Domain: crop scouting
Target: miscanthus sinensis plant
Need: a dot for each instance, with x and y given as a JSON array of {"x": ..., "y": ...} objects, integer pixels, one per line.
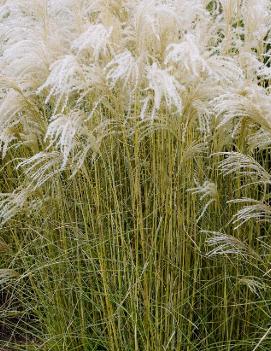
[{"x": 135, "y": 144}]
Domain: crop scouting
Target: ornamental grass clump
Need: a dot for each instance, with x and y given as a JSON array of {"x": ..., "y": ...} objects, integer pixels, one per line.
[{"x": 135, "y": 180}]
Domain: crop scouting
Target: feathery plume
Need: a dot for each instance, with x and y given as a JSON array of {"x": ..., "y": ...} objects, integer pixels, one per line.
[
  {"x": 224, "y": 244},
  {"x": 62, "y": 131},
  {"x": 206, "y": 190},
  {"x": 258, "y": 211},
  {"x": 95, "y": 38},
  {"x": 123, "y": 67},
  {"x": 164, "y": 86},
  {"x": 66, "y": 76},
  {"x": 41, "y": 167},
  {"x": 187, "y": 55},
  {"x": 236, "y": 162},
  {"x": 12, "y": 203}
]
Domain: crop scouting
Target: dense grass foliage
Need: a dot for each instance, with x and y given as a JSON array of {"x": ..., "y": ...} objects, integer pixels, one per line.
[{"x": 135, "y": 175}]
